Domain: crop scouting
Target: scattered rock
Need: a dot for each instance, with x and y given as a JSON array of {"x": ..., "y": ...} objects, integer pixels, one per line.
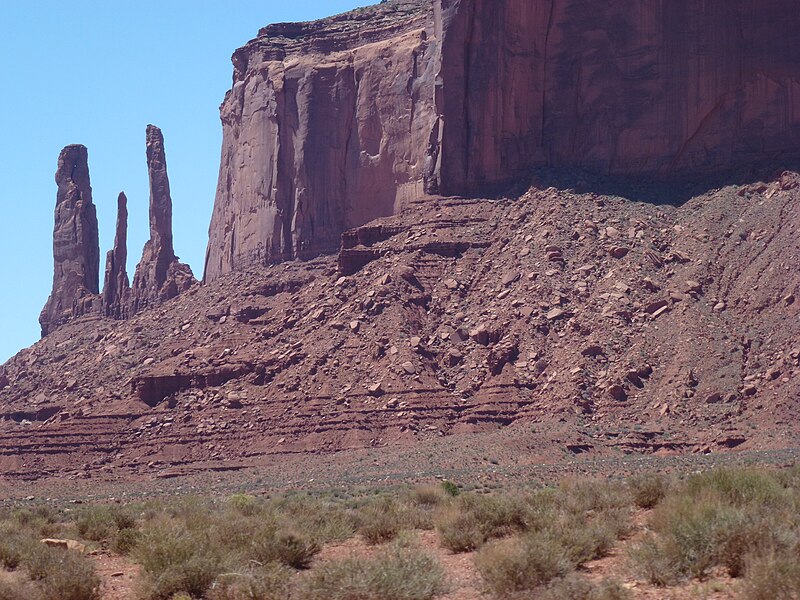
[
  {"x": 65, "y": 544},
  {"x": 619, "y": 251},
  {"x": 618, "y": 393},
  {"x": 454, "y": 357},
  {"x": 376, "y": 389}
]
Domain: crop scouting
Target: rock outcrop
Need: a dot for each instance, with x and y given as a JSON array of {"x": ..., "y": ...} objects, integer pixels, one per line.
[
  {"x": 333, "y": 123},
  {"x": 159, "y": 275},
  {"x": 635, "y": 87},
  {"x": 116, "y": 289},
  {"x": 325, "y": 128},
  {"x": 76, "y": 250}
]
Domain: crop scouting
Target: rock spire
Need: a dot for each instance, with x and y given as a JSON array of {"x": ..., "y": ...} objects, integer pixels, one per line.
[
  {"x": 116, "y": 290},
  {"x": 159, "y": 275},
  {"x": 76, "y": 247}
]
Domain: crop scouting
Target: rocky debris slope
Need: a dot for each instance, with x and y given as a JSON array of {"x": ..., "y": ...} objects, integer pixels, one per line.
[
  {"x": 577, "y": 322},
  {"x": 331, "y": 124},
  {"x": 159, "y": 276},
  {"x": 76, "y": 247}
]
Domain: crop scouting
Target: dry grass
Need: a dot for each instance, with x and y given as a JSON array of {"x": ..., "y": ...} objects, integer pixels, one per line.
[
  {"x": 529, "y": 545},
  {"x": 744, "y": 520},
  {"x": 395, "y": 573}
]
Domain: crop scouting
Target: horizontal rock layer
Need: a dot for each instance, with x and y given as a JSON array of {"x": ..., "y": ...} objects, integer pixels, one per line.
[
  {"x": 524, "y": 331},
  {"x": 333, "y": 123}
]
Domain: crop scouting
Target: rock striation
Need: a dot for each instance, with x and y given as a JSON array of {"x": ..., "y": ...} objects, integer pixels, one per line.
[
  {"x": 159, "y": 275},
  {"x": 634, "y": 87},
  {"x": 76, "y": 250},
  {"x": 116, "y": 290},
  {"x": 333, "y": 123}
]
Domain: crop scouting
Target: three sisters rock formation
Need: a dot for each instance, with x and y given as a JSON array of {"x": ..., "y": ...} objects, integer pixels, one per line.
[
  {"x": 76, "y": 249},
  {"x": 331, "y": 124}
]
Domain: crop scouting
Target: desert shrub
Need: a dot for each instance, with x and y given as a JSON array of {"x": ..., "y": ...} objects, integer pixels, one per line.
[
  {"x": 16, "y": 591},
  {"x": 772, "y": 576},
  {"x": 286, "y": 547},
  {"x": 738, "y": 486},
  {"x": 61, "y": 574},
  {"x": 648, "y": 489},
  {"x": 321, "y": 520},
  {"x": 583, "y": 495},
  {"x": 244, "y": 504},
  {"x": 269, "y": 583},
  {"x": 429, "y": 495},
  {"x": 522, "y": 563},
  {"x": 13, "y": 545},
  {"x": 653, "y": 560},
  {"x": 460, "y": 531},
  {"x": 102, "y": 523},
  {"x": 72, "y": 577},
  {"x": 175, "y": 560},
  {"x": 395, "y": 574},
  {"x": 450, "y": 488},
  {"x": 575, "y": 587},
  {"x": 382, "y": 520},
  {"x": 692, "y": 532},
  {"x": 584, "y": 541},
  {"x": 40, "y": 521},
  {"x": 717, "y": 519},
  {"x": 471, "y": 520},
  {"x": 125, "y": 541}
]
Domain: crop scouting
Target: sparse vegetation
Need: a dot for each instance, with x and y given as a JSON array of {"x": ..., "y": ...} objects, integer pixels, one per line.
[
  {"x": 743, "y": 522},
  {"x": 396, "y": 573},
  {"x": 746, "y": 521}
]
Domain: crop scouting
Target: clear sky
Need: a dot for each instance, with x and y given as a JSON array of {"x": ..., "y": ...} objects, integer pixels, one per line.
[{"x": 96, "y": 72}]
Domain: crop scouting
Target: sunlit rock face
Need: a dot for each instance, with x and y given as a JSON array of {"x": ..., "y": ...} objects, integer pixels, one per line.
[{"x": 333, "y": 123}]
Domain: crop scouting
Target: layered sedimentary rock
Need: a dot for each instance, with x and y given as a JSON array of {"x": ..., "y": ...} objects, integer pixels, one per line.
[
  {"x": 116, "y": 289},
  {"x": 76, "y": 251},
  {"x": 159, "y": 275},
  {"x": 330, "y": 124}
]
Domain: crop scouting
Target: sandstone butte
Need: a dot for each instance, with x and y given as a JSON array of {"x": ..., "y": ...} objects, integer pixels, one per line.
[
  {"x": 620, "y": 304},
  {"x": 333, "y": 123}
]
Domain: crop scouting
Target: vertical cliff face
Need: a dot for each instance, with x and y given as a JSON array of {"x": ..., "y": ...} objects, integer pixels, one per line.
[
  {"x": 325, "y": 128},
  {"x": 76, "y": 250},
  {"x": 159, "y": 275},
  {"x": 116, "y": 290},
  {"x": 627, "y": 87},
  {"x": 333, "y": 123}
]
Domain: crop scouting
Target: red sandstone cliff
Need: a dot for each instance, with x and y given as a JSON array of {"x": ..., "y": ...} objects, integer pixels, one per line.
[
  {"x": 333, "y": 123},
  {"x": 325, "y": 128}
]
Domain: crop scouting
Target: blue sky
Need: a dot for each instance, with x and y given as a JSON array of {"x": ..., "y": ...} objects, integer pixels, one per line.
[{"x": 96, "y": 73}]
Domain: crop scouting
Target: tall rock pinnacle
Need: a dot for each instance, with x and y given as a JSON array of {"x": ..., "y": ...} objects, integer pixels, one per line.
[
  {"x": 76, "y": 248},
  {"x": 159, "y": 276},
  {"x": 116, "y": 289}
]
